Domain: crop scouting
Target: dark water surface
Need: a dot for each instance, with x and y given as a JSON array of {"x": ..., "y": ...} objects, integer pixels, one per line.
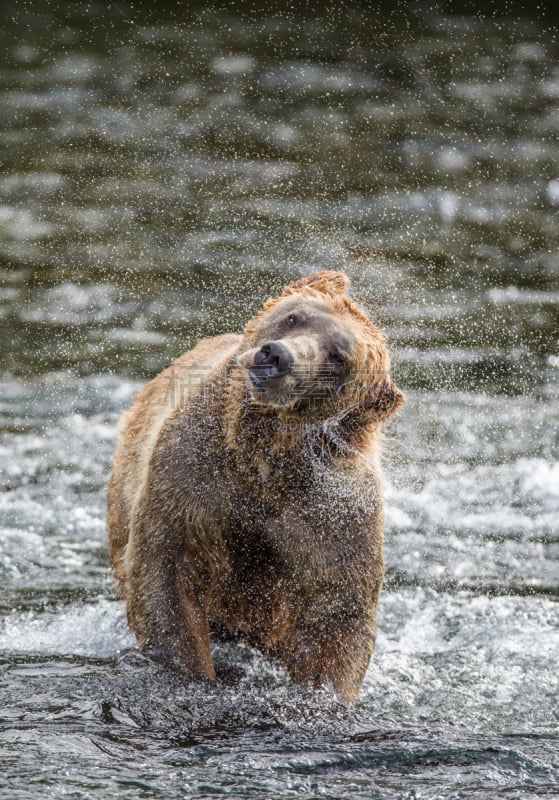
[{"x": 164, "y": 170}]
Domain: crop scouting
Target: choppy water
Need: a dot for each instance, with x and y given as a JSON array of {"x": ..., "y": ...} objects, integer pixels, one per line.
[{"x": 163, "y": 171}]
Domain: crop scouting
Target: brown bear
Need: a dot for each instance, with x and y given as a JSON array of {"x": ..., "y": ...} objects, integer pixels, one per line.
[{"x": 245, "y": 497}]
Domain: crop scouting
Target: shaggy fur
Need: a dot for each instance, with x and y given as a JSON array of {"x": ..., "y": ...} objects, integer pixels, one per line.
[{"x": 245, "y": 497}]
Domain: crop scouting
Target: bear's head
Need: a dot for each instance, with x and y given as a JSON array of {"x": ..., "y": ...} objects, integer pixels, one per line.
[{"x": 313, "y": 351}]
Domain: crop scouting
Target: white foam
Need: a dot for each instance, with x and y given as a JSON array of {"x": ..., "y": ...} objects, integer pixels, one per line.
[
  {"x": 233, "y": 65},
  {"x": 94, "y": 630},
  {"x": 512, "y": 294},
  {"x": 539, "y": 478},
  {"x": 552, "y": 192},
  {"x": 20, "y": 224},
  {"x": 471, "y": 660}
]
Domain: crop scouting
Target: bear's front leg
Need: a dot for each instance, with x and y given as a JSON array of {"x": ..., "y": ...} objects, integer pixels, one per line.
[
  {"x": 165, "y": 594},
  {"x": 333, "y": 650}
]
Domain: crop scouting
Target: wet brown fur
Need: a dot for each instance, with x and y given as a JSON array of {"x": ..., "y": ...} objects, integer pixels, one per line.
[{"x": 255, "y": 516}]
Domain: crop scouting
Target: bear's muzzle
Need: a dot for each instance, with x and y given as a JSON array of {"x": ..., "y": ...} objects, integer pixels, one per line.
[{"x": 271, "y": 362}]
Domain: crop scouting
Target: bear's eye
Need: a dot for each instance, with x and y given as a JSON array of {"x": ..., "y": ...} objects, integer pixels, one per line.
[
  {"x": 337, "y": 361},
  {"x": 292, "y": 320}
]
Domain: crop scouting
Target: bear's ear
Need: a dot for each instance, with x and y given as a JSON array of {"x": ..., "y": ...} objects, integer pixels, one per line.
[
  {"x": 384, "y": 399},
  {"x": 327, "y": 282}
]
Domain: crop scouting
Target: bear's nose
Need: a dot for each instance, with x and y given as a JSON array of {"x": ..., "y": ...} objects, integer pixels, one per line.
[{"x": 273, "y": 360}]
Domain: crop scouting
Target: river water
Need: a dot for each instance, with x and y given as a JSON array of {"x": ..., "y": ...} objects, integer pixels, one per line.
[{"x": 167, "y": 167}]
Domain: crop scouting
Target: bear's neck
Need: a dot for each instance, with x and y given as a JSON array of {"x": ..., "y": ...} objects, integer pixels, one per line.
[{"x": 265, "y": 438}]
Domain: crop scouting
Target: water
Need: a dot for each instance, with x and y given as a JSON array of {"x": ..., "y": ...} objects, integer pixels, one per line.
[{"x": 166, "y": 169}]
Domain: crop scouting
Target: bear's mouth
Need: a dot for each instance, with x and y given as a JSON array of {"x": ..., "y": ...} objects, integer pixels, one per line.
[{"x": 262, "y": 375}]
